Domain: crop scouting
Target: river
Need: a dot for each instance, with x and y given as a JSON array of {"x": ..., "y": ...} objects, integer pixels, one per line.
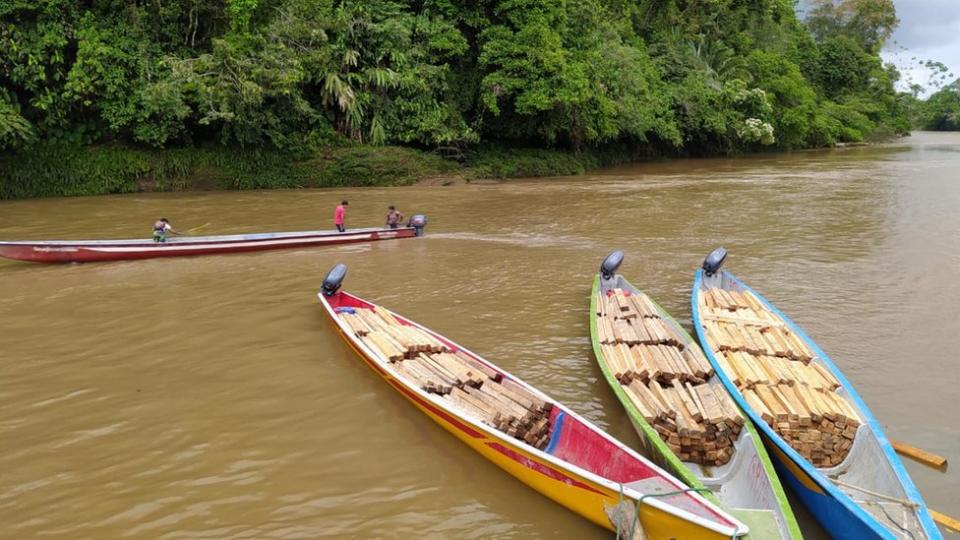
[{"x": 209, "y": 398}]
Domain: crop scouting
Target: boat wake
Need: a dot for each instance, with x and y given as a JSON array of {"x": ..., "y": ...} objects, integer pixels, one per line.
[{"x": 520, "y": 239}]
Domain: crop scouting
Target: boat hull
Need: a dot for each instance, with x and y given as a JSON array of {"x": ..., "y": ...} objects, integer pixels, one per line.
[
  {"x": 576, "y": 492},
  {"x": 840, "y": 516},
  {"x": 839, "y": 522},
  {"x": 654, "y": 447},
  {"x": 67, "y": 252}
]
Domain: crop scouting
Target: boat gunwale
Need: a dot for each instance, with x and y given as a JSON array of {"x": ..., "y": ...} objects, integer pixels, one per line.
[
  {"x": 806, "y": 466},
  {"x": 737, "y": 528},
  {"x": 686, "y": 473},
  {"x": 195, "y": 240}
]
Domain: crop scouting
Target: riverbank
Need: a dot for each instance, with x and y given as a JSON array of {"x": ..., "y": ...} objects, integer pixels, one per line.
[{"x": 59, "y": 171}]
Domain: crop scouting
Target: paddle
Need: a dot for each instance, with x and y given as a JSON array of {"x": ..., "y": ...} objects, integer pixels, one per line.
[
  {"x": 195, "y": 229},
  {"x": 931, "y": 460},
  {"x": 921, "y": 456},
  {"x": 947, "y": 521}
]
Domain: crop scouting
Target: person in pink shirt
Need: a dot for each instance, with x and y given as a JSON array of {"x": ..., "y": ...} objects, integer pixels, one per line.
[{"x": 340, "y": 216}]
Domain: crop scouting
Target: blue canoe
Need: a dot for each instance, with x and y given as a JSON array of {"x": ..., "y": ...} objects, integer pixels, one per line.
[{"x": 867, "y": 495}]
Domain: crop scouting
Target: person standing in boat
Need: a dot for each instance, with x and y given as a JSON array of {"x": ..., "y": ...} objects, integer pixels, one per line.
[
  {"x": 340, "y": 216},
  {"x": 394, "y": 217},
  {"x": 161, "y": 228}
]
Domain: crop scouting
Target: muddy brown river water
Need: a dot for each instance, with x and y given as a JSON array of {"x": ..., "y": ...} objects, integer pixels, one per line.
[{"x": 208, "y": 398}]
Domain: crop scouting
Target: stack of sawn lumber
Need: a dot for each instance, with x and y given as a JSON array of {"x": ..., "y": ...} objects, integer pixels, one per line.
[
  {"x": 777, "y": 374},
  {"x": 467, "y": 383},
  {"x": 666, "y": 380}
]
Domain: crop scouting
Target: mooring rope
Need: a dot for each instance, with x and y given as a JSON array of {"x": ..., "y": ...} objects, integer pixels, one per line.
[
  {"x": 909, "y": 504},
  {"x": 636, "y": 514}
]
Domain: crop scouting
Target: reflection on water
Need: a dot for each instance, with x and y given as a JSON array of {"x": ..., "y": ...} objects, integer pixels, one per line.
[{"x": 206, "y": 397}]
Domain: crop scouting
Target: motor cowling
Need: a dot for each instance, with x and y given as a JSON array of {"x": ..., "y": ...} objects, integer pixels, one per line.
[
  {"x": 333, "y": 280},
  {"x": 610, "y": 264},
  {"x": 714, "y": 261},
  {"x": 418, "y": 222}
]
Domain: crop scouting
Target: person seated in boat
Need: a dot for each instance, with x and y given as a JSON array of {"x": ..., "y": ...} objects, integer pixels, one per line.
[
  {"x": 394, "y": 217},
  {"x": 340, "y": 216},
  {"x": 161, "y": 228}
]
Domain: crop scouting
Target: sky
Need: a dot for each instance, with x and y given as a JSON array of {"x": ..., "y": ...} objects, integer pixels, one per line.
[{"x": 929, "y": 30}]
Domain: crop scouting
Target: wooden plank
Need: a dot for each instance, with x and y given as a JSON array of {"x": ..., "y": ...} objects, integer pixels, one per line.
[
  {"x": 639, "y": 402},
  {"x": 479, "y": 366},
  {"x": 513, "y": 388},
  {"x": 651, "y": 309},
  {"x": 604, "y": 332},
  {"x": 371, "y": 343},
  {"x": 758, "y": 406},
  {"x": 729, "y": 406},
  {"x": 356, "y": 324},
  {"x": 701, "y": 412},
  {"x": 685, "y": 424},
  {"x": 683, "y": 369},
  {"x": 623, "y": 350},
  {"x": 624, "y": 332},
  {"x": 772, "y": 404},
  {"x": 728, "y": 369},
  {"x": 623, "y": 364},
  {"x": 741, "y": 362},
  {"x": 712, "y": 412},
  {"x": 640, "y": 367},
  {"x": 642, "y": 391},
  {"x": 804, "y": 416},
  {"x": 640, "y": 329},
  {"x": 389, "y": 349},
  {"x": 490, "y": 395},
  {"x": 657, "y": 391},
  {"x": 693, "y": 353},
  {"x": 827, "y": 376},
  {"x": 804, "y": 394},
  {"x": 667, "y": 370},
  {"x": 445, "y": 376},
  {"x": 692, "y": 409},
  {"x": 467, "y": 403},
  {"x": 727, "y": 301},
  {"x": 793, "y": 415},
  {"x": 464, "y": 366},
  {"x": 432, "y": 381},
  {"x": 525, "y": 400},
  {"x": 463, "y": 374},
  {"x": 738, "y": 299}
]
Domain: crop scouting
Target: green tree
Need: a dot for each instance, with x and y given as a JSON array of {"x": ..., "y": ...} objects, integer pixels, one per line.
[
  {"x": 869, "y": 22},
  {"x": 941, "y": 111}
]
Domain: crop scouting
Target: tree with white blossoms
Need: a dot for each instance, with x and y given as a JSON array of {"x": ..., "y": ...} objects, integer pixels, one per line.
[{"x": 755, "y": 130}]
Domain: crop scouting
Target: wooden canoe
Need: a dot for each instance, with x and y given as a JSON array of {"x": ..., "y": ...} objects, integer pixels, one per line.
[
  {"x": 67, "y": 251},
  {"x": 581, "y": 467},
  {"x": 869, "y": 494},
  {"x": 747, "y": 486}
]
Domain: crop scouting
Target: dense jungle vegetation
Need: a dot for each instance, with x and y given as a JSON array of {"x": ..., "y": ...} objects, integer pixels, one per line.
[
  {"x": 939, "y": 112},
  {"x": 120, "y": 95}
]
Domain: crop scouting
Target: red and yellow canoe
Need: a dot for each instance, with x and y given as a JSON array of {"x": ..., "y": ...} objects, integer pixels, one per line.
[{"x": 580, "y": 466}]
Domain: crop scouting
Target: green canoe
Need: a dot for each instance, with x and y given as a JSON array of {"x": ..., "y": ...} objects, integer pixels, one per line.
[{"x": 747, "y": 485}]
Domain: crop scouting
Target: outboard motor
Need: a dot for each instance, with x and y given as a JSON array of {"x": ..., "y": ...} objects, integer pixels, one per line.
[
  {"x": 331, "y": 283},
  {"x": 609, "y": 266},
  {"x": 714, "y": 261},
  {"x": 418, "y": 222}
]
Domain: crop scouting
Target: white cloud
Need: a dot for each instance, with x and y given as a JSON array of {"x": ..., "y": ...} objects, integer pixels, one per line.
[{"x": 929, "y": 30}]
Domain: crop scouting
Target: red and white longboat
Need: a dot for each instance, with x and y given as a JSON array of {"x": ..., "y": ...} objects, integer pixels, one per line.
[{"x": 66, "y": 251}]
